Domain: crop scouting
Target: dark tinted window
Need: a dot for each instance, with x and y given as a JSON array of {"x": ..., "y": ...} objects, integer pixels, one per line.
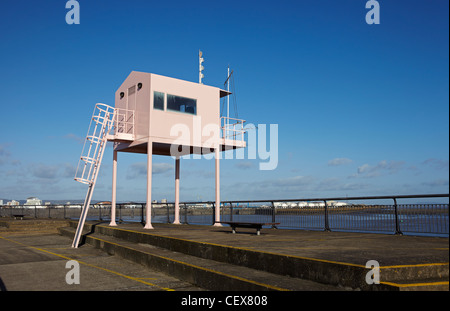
[
  {"x": 158, "y": 100},
  {"x": 181, "y": 104}
]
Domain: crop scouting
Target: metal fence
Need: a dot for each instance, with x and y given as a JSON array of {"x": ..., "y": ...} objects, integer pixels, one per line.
[{"x": 329, "y": 214}]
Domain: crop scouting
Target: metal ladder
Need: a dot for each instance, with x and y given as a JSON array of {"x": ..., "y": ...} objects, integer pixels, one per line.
[{"x": 102, "y": 122}]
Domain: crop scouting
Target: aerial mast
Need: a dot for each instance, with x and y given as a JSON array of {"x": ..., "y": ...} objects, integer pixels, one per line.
[
  {"x": 228, "y": 97},
  {"x": 227, "y": 82},
  {"x": 200, "y": 67}
]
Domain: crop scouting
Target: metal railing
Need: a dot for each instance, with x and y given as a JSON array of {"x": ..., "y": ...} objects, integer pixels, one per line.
[
  {"x": 124, "y": 121},
  {"x": 383, "y": 215},
  {"x": 232, "y": 129}
]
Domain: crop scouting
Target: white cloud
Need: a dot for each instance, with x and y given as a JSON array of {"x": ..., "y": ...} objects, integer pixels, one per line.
[
  {"x": 74, "y": 137},
  {"x": 69, "y": 170},
  {"x": 335, "y": 184},
  {"x": 339, "y": 161},
  {"x": 295, "y": 181},
  {"x": 438, "y": 164},
  {"x": 292, "y": 187},
  {"x": 244, "y": 165},
  {"x": 139, "y": 169},
  {"x": 160, "y": 168},
  {"x": 45, "y": 171},
  {"x": 382, "y": 167},
  {"x": 363, "y": 168},
  {"x": 4, "y": 154},
  {"x": 436, "y": 183}
]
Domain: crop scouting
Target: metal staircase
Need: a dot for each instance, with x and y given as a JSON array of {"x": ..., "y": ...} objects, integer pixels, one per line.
[{"x": 104, "y": 119}]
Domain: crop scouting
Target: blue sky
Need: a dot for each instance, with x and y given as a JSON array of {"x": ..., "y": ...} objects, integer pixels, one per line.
[{"x": 361, "y": 109}]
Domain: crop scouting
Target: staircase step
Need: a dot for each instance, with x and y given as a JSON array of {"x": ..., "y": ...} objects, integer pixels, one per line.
[
  {"x": 420, "y": 285},
  {"x": 205, "y": 273},
  {"x": 31, "y": 225},
  {"x": 415, "y": 273},
  {"x": 302, "y": 268},
  {"x": 336, "y": 274}
]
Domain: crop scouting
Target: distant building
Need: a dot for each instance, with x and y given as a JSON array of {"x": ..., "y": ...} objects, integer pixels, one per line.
[
  {"x": 13, "y": 203},
  {"x": 1, "y": 202},
  {"x": 336, "y": 204},
  {"x": 102, "y": 204},
  {"x": 33, "y": 201},
  {"x": 131, "y": 205},
  {"x": 308, "y": 204}
]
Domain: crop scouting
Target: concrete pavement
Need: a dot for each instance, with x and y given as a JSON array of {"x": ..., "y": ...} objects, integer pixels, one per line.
[
  {"x": 34, "y": 257},
  {"x": 36, "y": 261}
]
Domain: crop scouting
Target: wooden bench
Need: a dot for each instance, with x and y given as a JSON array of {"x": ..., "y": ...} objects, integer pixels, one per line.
[
  {"x": 18, "y": 216},
  {"x": 255, "y": 225}
]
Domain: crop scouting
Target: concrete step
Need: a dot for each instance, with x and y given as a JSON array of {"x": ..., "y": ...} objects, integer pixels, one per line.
[
  {"x": 205, "y": 273},
  {"x": 321, "y": 271},
  {"x": 421, "y": 285},
  {"x": 324, "y": 272},
  {"x": 415, "y": 273},
  {"x": 30, "y": 225}
]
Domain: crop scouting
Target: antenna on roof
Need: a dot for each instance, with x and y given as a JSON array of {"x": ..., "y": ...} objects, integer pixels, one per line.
[
  {"x": 227, "y": 82},
  {"x": 228, "y": 97},
  {"x": 200, "y": 67}
]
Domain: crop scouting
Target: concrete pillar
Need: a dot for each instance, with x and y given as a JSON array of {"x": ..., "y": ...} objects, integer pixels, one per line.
[
  {"x": 217, "y": 205},
  {"x": 114, "y": 186},
  {"x": 177, "y": 191},
  {"x": 148, "y": 210}
]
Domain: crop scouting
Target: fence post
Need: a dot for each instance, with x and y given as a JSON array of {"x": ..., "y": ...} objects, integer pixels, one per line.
[
  {"x": 397, "y": 223},
  {"x": 231, "y": 211},
  {"x": 327, "y": 225},
  {"x": 185, "y": 214},
  {"x": 213, "y": 213},
  {"x": 168, "y": 213},
  {"x": 273, "y": 216}
]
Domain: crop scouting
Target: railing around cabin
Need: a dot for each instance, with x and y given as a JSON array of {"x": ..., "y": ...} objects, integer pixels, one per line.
[
  {"x": 232, "y": 129},
  {"x": 124, "y": 121}
]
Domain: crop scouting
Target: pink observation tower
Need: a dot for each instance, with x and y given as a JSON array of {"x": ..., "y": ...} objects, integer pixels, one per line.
[{"x": 154, "y": 114}]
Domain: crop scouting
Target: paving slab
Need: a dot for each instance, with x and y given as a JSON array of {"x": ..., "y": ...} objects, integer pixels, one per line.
[{"x": 37, "y": 262}]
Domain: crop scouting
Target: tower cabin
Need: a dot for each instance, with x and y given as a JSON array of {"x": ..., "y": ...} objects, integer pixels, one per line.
[{"x": 165, "y": 116}]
